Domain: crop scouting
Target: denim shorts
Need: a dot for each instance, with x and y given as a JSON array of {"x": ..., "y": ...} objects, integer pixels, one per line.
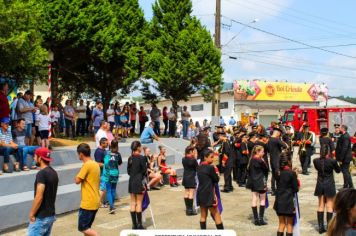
[
  {"x": 86, "y": 219},
  {"x": 28, "y": 130},
  {"x": 42, "y": 226}
]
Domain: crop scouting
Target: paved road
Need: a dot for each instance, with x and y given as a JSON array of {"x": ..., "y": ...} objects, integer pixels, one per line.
[{"x": 168, "y": 208}]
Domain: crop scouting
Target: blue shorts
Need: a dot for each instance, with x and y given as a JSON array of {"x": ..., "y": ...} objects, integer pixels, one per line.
[
  {"x": 41, "y": 226},
  {"x": 86, "y": 219},
  {"x": 28, "y": 129}
]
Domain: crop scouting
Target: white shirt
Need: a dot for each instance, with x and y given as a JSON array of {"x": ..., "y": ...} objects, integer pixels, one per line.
[
  {"x": 43, "y": 122},
  {"x": 82, "y": 112},
  {"x": 36, "y": 117},
  {"x": 99, "y": 135},
  {"x": 111, "y": 115},
  {"x": 55, "y": 116}
]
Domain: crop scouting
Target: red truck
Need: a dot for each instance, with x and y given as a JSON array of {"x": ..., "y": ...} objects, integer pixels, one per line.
[{"x": 318, "y": 118}]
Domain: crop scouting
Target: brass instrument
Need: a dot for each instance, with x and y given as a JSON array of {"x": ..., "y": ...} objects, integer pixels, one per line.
[{"x": 305, "y": 139}]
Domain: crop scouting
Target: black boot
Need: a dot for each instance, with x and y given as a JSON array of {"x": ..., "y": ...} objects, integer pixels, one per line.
[
  {"x": 220, "y": 226},
  {"x": 280, "y": 233},
  {"x": 186, "y": 201},
  {"x": 321, "y": 222},
  {"x": 255, "y": 215},
  {"x": 289, "y": 234},
  {"x": 202, "y": 225},
  {"x": 329, "y": 216},
  {"x": 134, "y": 220},
  {"x": 191, "y": 210},
  {"x": 262, "y": 213},
  {"x": 139, "y": 220}
]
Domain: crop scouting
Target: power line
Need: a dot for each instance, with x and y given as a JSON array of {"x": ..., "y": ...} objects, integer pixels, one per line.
[{"x": 292, "y": 40}]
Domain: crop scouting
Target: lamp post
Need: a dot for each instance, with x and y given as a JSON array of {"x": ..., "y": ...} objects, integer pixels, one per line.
[{"x": 50, "y": 59}]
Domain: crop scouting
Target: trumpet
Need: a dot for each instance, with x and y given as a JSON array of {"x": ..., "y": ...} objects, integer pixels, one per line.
[{"x": 304, "y": 143}]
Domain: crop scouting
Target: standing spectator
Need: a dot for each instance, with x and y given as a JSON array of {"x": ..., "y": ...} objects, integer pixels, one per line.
[
  {"x": 18, "y": 136},
  {"x": 155, "y": 117},
  {"x": 25, "y": 110},
  {"x": 55, "y": 115},
  {"x": 165, "y": 119},
  {"x": 38, "y": 105},
  {"x": 102, "y": 132},
  {"x": 99, "y": 156},
  {"x": 61, "y": 115},
  {"x": 185, "y": 120},
  {"x": 172, "y": 122},
  {"x": 88, "y": 116},
  {"x": 133, "y": 112},
  {"x": 7, "y": 145},
  {"x": 82, "y": 116},
  {"x": 344, "y": 155},
  {"x": 142, "y": 118},
  {"x": 43, "y": 125},
  {"x": 4, "y": 102},
  {"x": 13, "y": 108},
  {"x": 148, "y": 134},
  {"x": 232, "y": 121},
  {"x": 89, "y": 178},
  {"x": 69, "y": 114},
  {"x": 97, "y": 116},
  {"x": 124, "y": 122},
  {"x": 117, "y": 113},
  {"x": 42, "y": 213},
  {"x": 110, "y": 113},
  {"x": 222, "y": 121}
]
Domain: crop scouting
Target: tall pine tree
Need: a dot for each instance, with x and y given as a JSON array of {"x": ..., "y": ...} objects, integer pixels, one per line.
[{"x": 182, "y": 58}]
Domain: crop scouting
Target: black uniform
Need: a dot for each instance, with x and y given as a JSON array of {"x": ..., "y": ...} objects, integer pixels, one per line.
[
  {"x": 305, "y": 150},
  {"x": 235, "y": 147},
  {"x": 203, "y": 143},
  {"x": 136, "y": 169},
  {"x": 190, "y": 165},
  {"x": 344, "y": 155},
  {"x": 229, "y": 163},
  {"x": 287, "y": 186},
  {"x": 207, "y": 179},
  {"x": 257, "y": 171},
  {"x": 275, "y": 146},
  {"x": 325, "y": 184},
  {"x": 243, "y": 161},
  {"x": 288, "y": 139},
  {"x": 265, "y": 156}
]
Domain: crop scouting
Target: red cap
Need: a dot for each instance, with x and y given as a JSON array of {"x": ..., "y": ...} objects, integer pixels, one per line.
[{"x": 44, "y": 153}]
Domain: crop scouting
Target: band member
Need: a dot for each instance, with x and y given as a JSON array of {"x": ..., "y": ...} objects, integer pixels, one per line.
[
  {"x": 325, "y": 185},
  {"x": 287, "y": 186},
  {"x": 227, "y": 162},
  {"x": 257, "y": 182},
  {"x": 136, "y": 169},
  {"x": 203, "y": 142},
  {"x": 306, "y": 149},
  {"x": 336, "y": 134},
  {"x": 251, "y": 141},
  {"x": 243, "y": 161},
  {"x": 235, "y": 146},
  {"x": 263, "y": 141},
  {"x": 190, "y": 165},
  {"x": 208, "y": 177},
  {"x": 162, "y": 164},
  {"x": 275, "y": 146},
  {"x": 219, "y": 130},
  {"x": 344, "y": 155},
  {"x": 289, "y": 138}
]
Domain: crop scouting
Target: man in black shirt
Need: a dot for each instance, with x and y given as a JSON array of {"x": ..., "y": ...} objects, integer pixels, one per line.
[
  {"x": 42, "y": 214},
  {"x": 344, "y": 156}
]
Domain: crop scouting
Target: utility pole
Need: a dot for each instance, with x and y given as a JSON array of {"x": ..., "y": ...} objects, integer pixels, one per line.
[{"x": 216, "y": 100}]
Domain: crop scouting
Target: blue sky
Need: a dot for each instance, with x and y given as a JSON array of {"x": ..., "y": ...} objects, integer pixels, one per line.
[{"x": 316, "y": 23}]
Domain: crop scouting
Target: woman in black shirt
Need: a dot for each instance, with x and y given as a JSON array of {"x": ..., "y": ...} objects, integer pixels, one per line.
[
  {"x": 208, "y": 176},
  {"x": 325, "y": 186},
  {"x": 190, "y": 165},
  {"x": 257, "y": 171},
  {"x": 136, "y": 169}
]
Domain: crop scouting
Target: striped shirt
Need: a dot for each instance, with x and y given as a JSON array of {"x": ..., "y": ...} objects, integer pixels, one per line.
[{"x": 5, "y": 137}]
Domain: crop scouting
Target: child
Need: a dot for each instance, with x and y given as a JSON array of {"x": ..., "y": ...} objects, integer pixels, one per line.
[
  {"x": 208, "y": 176},
  {"x": 190, "y": 165},
  {"x": 257, "y": 169},
  {"x": 55, "y": 115},
  {"x": 99, "y": 156},
  {"x": 112, "y": 161},
  {"x": 43, "y": 120}
]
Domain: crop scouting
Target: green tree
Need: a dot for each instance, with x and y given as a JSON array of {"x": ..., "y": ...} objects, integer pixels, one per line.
[
  {"x": 98, "y": 44},
  {"x": 22, "y": 56},
  {"x": 182, "y": 58}
]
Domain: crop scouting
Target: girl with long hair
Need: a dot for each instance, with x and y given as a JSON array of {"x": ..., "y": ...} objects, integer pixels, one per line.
[
  {"x": 190, "y": 165},
  {"x": 165, "y": 169}
]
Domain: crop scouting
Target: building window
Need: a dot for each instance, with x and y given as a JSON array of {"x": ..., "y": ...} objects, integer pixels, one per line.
[
  {"x": 199, "y": 107},
  {"x": 224, "y": 105}
]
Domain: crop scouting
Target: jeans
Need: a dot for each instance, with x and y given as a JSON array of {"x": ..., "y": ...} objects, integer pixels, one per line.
[
  {"x": 165, "y": 122},
  {"x": 133, "y": 126},
  {"x": 156, "y": 129},
  {"x": 81, "y": 126},
  {"x": 70, "y": 125},
  {"x": 41, "y": 226},
  {"x": 6, "y": 152},
  {"x": 22, "y": 153},
  {"x": 185, "y": 128},
  {"x": 142, "y": 126},
  {"x": 147, "y": 140},
  {"x": 28, "y": 130},
  {"x": 345, "y": 169},
  {"x": 172, "y": 128},
  {"x": 111, "y": 193}
]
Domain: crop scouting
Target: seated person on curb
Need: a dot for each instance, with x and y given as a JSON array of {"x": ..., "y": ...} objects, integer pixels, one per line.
[
  {"x": 165, "y": 169},
  {"x": 18, "y": 136},
  {"x": 154, "y": 177},
  {"x": 7, "y": 145},
  {"x": 99, "y": 156},
  {"x": 148, "y": 135}
]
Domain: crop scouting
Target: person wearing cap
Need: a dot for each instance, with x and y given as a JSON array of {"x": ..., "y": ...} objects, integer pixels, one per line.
[
  {"x": 243, "y": 161},
  {"x": 42, "y": 213},
  {"x": 306, "y": 149},
  {"x": 344, "y": 155},
  {"x": 275, "y": 147},
  {"x": 148, "y": 134},
  {"x": 289, "y": 138},
  {"x": 7, "y": 145},
  {"x": 336, "y": 134},
  {"x": 25, "y": 109}
]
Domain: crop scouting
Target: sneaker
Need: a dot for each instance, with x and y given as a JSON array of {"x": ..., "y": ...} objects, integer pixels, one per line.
[
  {"x": 103, "y": 205},
  {"x": 112, "y": 211}
]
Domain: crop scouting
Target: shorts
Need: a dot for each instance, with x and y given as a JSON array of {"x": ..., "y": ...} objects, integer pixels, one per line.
[
  {"x": 41, "y": 226},
  {"x": 86, "y": 219},
  {"x": 102, "y": 185},
  {"x": 28, "y": 129},
  {"x": 44, "y": 134}
]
